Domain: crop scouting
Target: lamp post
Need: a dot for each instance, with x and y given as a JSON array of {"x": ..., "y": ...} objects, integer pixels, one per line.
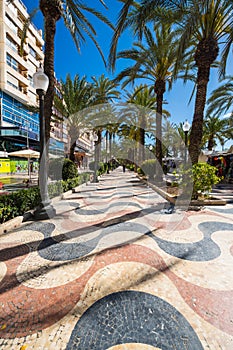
[
  {"x": 45, "y": 210},
  {"x": 186, "y": 127},
  {"x": 95, "y": 139},
  {"x": 151, "y": 151}
]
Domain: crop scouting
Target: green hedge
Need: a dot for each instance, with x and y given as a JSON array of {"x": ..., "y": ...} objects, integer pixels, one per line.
[
  {"x": 148, "y": 168},
  {"x": 19, "y": 202}
]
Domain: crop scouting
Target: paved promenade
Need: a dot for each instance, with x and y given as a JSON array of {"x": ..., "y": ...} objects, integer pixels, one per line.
[{"x": 113, "y": 271}]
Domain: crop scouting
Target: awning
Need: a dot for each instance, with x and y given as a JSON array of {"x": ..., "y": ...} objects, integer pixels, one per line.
[{"x": 80, "y": 149}]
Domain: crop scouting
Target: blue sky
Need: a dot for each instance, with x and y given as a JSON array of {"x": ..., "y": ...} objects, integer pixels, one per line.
[{"x": 89, "y": 63}]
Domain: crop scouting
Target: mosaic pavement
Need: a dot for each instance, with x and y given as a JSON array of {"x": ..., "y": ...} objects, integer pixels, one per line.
[{"x": 113, "y": 271}]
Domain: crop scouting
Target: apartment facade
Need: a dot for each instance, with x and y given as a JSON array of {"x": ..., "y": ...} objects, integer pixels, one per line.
[{"x": 17, "y": 66}]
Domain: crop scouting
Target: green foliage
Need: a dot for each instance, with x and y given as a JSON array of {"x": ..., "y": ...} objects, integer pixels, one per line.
[
  {"x": 62, "y": 169},
  {"x": 69, "y": 170},
  {"x": 19, "y": 202},
  {"x": 130, "y": 166},
  {"x": 140, "y": 171},
  {"x": 5, "y": 213},
  {"x": 202, "y": 176},
  {"x": 128, "y": 163},
  {"x": 148, "y": 167},
  {"x": 101, "y": 167},
  {"x": 55, "y": 168},
  {"x": 55, "y": 188}
]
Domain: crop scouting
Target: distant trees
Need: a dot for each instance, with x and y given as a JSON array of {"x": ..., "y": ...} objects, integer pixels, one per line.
[
  {"x": 154, "y": 61},
  {"x": 77, "y": 95}
]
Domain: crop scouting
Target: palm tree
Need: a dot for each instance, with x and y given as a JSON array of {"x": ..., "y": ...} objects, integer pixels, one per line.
[
  {"x": 216, "y": 129},
  {"x": 203, "y": 24},
  {"x": 112, "y": 128},
  {"x": 154, "y": 61},
  {"x": 73, "y": 14},
  {"x": 122, "y": 24},
  {"x": 142, "y": 96},
  {"x": 104, "y": 92},
  {"x": 221, "y": 99},
  {"x": 172, "y": 140},
  {"x": 77, "y": 95}
]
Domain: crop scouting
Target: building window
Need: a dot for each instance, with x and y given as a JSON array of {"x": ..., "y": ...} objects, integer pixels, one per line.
[
  {"x": 13, "y": 85},
  {"x": 32, "y": 51},
  {"x": 11, "y": 44},
  {"x": 11, "y": 24},
  {"x": 30, "y": 79},
  {"x": 11, "y": 62}
]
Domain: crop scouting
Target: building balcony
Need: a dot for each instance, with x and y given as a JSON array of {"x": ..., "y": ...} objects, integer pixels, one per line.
[{"x": 22, "y": 78}]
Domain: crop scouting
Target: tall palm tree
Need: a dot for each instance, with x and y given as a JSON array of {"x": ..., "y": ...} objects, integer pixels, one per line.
[
  {"x": 77, "y": 95},
  {"x": 73, "y": 13},
  {"x": 142, "y": 96},
  {"x": 154, "y": 61},
  {"x": 203, "y": 25}
]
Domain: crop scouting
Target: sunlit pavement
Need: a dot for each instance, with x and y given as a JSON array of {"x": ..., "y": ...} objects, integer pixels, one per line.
[
  {"x": 16, "y": 181},
  {"x": 113, "y": 271}
]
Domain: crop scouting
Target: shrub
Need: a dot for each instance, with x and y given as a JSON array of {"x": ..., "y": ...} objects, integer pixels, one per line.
[
  {"x": 101, "y": 167},
  {"x": 149, "y": 168},
  {"x": 202, "y": 177},
  {"x": 55, "y": 168},
  {"x": 140, "y": 171},
  {"x": 55, "y": 189},
  {"x": 131, "y": 166},
  {"x": 18, "y": 203},
  {"x": 69, "y": 170}
]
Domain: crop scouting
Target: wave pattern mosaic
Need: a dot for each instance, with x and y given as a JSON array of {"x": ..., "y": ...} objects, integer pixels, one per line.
[{"x": 113, "y": 271}]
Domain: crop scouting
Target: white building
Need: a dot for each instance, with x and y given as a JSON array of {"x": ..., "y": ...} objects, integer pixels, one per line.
[{"x": 18, "y": 63}]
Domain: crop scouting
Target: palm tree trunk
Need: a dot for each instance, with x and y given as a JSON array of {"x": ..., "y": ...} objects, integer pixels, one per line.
[
  {"x": 197, "y": 124},
  {"x": 206, "y": 53},
  {"x": 159, "y": 90},
  {"x": 110, "y": 144},
  {"x": 210, "y": 143},
  {"x": 98, "y": 146},
  {"x": 72, "y": 148},
  {"x": 52, "y": 12},
  {"x": 142, "y": 140},
  {"x": 106, "y": 145}
]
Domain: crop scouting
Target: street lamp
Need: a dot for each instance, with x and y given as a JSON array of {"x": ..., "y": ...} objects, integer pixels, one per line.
[
  {"x": 151, "y": 151},
  {"x": 95, "y": 139},
  {"x": 186, "y": 127},
  {"x": 45, "y": 210}
]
